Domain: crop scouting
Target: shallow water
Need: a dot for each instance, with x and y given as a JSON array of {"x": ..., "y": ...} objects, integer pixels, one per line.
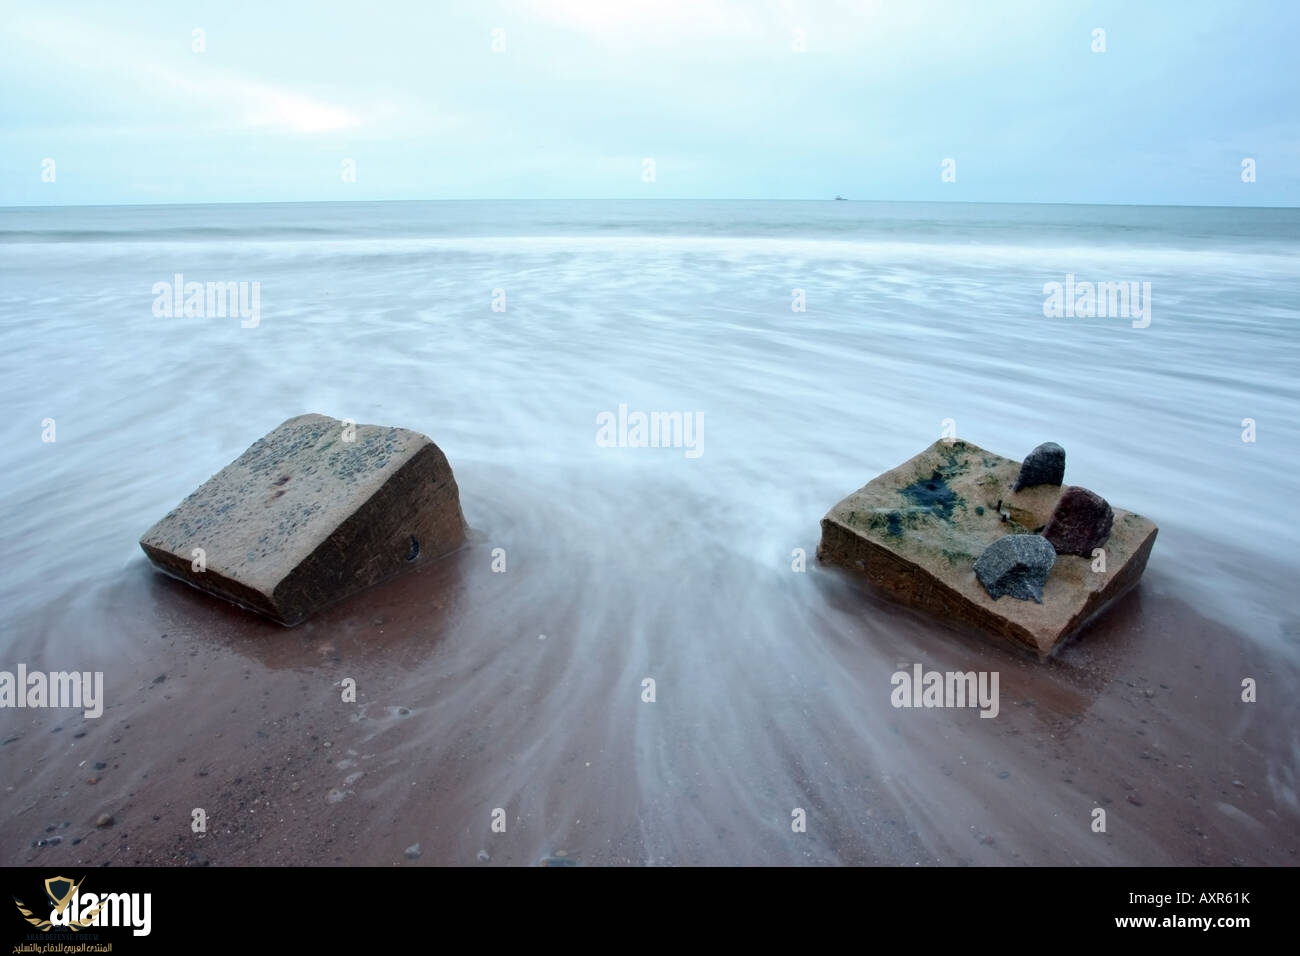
[{"x": 772, "y": 685}]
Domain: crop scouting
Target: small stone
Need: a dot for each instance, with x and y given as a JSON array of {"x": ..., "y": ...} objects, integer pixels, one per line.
[
  {"x": 483, "y": 856},
  {"x": 413, "y": 851},
  {"x": 100, "y": 765},
  {"x": 104, "y": 820},
  {"x": 1045, "y": 465},
  {"x": 1134, "y": 799},
  {"x": 92, "y": 780},
  {"x": 1003, "y": 774},
  {"x": 556, "y": 861},
  {"x": 295, "y": 786},
  {"x": 1081, "y": 522},
  {"x": 1017, "y": 565}
]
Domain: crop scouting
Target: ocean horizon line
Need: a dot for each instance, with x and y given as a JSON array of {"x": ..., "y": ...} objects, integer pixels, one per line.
[{"x": 643, "y": 199}]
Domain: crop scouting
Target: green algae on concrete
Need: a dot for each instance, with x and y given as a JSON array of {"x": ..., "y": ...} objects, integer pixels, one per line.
[
  {"x": 916, "y": 531},
  {"x": 313, "y": 512}
]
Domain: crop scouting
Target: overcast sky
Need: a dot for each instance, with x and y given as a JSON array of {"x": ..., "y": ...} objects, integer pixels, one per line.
[{"x": 283, "y": 94}]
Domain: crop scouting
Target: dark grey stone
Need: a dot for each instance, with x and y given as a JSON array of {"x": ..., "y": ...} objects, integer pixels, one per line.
[
  {"x": 1045, "y": 465},
  {"x": 1017, "y": 565}
]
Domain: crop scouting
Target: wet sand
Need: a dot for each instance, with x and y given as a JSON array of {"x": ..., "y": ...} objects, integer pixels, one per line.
[{"x": 463, "y": 707}]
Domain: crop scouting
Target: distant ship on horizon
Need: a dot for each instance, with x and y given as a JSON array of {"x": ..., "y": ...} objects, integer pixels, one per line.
[{"x": 840, "y": 199}]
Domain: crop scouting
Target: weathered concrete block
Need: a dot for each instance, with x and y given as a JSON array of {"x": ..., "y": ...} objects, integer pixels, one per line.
[
  {"x": 312, "y": 513},
  {"x": 916, "y": 532}
]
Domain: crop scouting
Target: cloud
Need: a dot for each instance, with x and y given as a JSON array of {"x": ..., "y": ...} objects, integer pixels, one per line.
[
  {"x": 727, "y": 28},
  {"x": 602, "y": 16},
  {"x": 214, "y": 97},
  {"x": 262, "y": 106},
  {"x": 644, "y": 19}
]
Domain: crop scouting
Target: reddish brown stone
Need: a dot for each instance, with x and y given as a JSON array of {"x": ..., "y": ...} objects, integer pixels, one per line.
[
  {"x": 1080, "y": 522},
  {"x": 313, "y": 512}
]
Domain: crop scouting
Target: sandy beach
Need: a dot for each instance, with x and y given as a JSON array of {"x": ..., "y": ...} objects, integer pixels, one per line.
[{"x": 464, "y": 707}]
